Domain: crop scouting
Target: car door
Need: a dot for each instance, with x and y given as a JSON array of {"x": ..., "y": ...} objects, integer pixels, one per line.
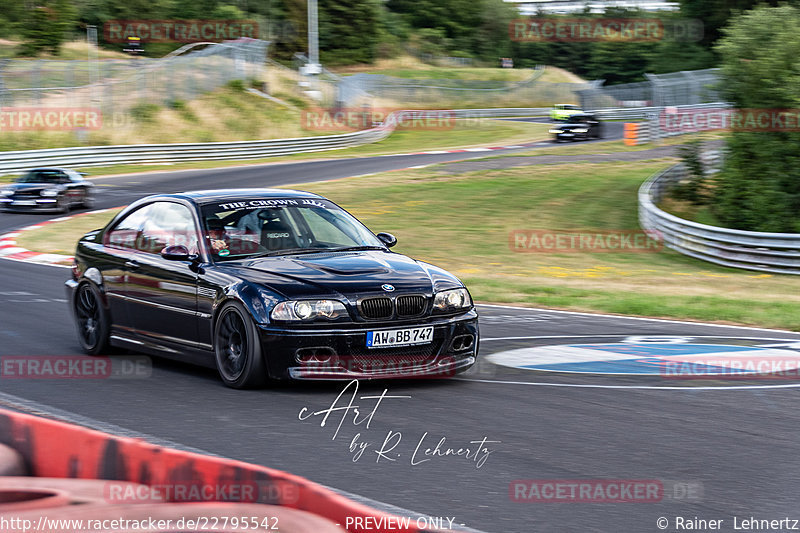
[
  {"x": 119, "y": 250},
  {"x": 162, "y": 294}
]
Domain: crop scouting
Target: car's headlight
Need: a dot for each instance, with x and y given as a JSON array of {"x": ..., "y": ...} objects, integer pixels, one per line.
[
  {"x": 554, "y": 131},
  {"x": 309, "y": 310},
  {"x": 452, "y": 300},
  {"x": 580, "y": 130},
  {"x": 6, "y": 192},
  {"x": 49, "y": 192}
]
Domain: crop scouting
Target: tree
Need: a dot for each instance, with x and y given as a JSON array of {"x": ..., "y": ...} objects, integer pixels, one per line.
[
  {"x": 46, "y": 26},
  {"x": 349, "y": 30},
  {"x": 759, "y": 186}
]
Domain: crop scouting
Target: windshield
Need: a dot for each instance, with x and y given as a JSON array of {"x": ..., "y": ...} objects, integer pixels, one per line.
[
  {"x": 42, "y": 176},
  {"x": 238, "y": 229}
]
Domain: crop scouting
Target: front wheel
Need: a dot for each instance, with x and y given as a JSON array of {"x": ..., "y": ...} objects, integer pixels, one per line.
[
  {"x": 91, "y": 318},
  {"x": 62, "y": 204},
  {"x": 237, "y": 349},
  {"x": 88, "y": 200}
]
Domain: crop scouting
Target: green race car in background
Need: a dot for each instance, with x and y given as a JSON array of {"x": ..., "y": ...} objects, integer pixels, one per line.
[{"x": 564, "y": 111}]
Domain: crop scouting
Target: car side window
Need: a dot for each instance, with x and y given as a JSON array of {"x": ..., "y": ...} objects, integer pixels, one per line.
[
  {"x": 125, "y": 233},
  {"x": 168, "y": 224}
]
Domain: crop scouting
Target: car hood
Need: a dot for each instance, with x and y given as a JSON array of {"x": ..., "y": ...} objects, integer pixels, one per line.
[
  {"x": 30, "y": 187},
  {"x": 349, "y": 274}
]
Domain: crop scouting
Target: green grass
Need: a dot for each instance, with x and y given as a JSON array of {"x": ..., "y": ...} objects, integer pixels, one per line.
[
  {"x": 61, "y": 237},
  {"x": 462, "y": 223},
  {"x": 226, "y": 114}
]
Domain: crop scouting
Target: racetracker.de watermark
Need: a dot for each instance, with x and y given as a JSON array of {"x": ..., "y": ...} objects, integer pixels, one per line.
[
  {"x": 50, "y": 118},
  {"x": 731, "y": 367},
  {"x": 603, "y": 491},
  {"x": 179, "y": 31},
  {"x": 75, "y": 367},
  {"x": 584, "y": 241},
  {"x": 590, "y": 29},
  {"x": 360, "y": 118},
  {"x": 116, "y": 492},
  {"x": 676, "y": 120}
]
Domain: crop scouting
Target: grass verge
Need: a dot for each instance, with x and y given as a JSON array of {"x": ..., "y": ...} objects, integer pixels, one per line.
[{"x": 473, "y": 213}]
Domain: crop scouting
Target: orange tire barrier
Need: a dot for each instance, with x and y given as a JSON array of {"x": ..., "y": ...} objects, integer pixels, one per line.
[
  {"x": 12, "y": 501},
  {"x": 631, "y": 133},
  {"x": 205, "y": 517},
  {"x": 43, "y": 492},
  {"x": 11, "y": 462},
  {"x": 58, "y": 449}
]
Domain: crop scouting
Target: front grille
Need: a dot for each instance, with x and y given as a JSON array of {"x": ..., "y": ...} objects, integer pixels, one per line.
[
  {"x": 376, "y": 308},
  {"x": 410, "y": 305},
  {"x": 363, "y": 358}
]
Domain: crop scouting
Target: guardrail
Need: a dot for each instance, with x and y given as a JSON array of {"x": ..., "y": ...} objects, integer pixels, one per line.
[
  {"x": 777, "y": 253},
  {"x": 88, "y": 156}
]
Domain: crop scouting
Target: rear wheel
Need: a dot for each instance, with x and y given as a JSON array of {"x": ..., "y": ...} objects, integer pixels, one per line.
[
  {"x": 237, "y": 349},
  {"x": 91, "y": 319}
]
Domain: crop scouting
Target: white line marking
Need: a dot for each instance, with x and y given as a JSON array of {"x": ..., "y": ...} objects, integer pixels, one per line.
[
  {"x": 642, "y": 387},
  {"x": 477, "y": 149},
  {"x": 30, "y": 406},
  {"x": 666, "y": 320}
]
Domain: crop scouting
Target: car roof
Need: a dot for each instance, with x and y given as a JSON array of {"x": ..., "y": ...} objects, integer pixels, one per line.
[{"x": 218, "y": 195}]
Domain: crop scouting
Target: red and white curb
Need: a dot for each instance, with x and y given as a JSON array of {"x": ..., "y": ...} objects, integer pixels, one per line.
[{"x": 9, "y": 249}]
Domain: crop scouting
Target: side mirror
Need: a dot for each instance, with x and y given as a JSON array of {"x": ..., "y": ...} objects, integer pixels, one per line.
[
  {"x": 176, "y": 252},
  {"x": 388, "y": 239}
]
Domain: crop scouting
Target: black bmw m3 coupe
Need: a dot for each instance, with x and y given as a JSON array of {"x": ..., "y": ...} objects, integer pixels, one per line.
[{"x": 267, "y": 284}]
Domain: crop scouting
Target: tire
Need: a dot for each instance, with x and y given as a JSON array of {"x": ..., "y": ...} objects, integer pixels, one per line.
[
  {"x": 91, "y": 319},
  {"x": 88, "y": 200},
  {"x": 62, "y": 204},
  {"x": 237, "y": 350}
]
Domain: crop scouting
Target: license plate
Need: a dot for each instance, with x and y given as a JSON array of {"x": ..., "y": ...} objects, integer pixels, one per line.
[
  {"x": 399, "y": 337},
  {"x": 23, "y": 202}
]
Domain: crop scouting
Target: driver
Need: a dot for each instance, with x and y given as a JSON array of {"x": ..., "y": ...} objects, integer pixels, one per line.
[{"x": 216, "y": 234}]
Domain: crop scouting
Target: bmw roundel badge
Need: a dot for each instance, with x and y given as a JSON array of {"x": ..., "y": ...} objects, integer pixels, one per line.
[{"x": 387, "y": 287}]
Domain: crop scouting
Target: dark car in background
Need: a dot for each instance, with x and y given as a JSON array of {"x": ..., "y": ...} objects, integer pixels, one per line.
[
  {"x": 581, "y": 126},
  {"x": 55, "y": 189},
  {"x": 267, "y": 283}
]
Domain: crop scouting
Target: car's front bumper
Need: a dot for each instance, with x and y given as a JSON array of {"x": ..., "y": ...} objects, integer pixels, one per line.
[
  {"x": 343, "y": 355},
  {"x": 48, "y": 203}
]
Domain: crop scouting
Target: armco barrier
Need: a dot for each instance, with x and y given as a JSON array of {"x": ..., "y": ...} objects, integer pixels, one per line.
[
  {"x": 56, "y": 449},
  {"x": 751, "y": 250},
  {"x": 88, "y": 156}
]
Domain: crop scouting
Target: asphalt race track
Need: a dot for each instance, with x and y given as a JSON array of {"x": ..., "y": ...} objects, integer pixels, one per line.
[{"x": 577, "y": 397}]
